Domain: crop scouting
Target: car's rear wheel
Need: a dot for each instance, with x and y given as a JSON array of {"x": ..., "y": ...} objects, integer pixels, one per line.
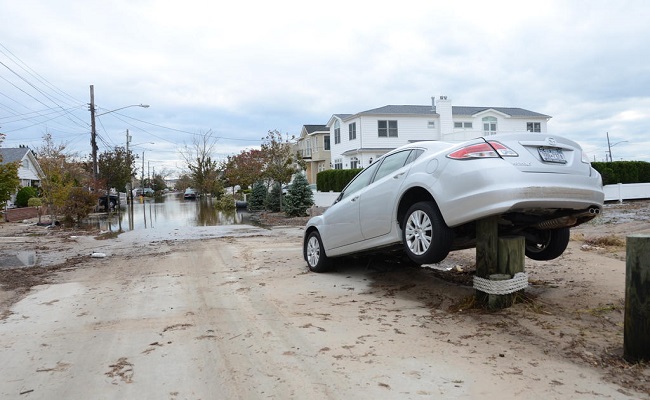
[
  {"x": 547, "y": 244},
  {"x": 315, "y": 256},
  {"x": 426, "y": 237}
]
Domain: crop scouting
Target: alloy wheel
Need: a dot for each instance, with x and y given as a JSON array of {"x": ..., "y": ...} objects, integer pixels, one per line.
[{"x": 419, "y": 232}]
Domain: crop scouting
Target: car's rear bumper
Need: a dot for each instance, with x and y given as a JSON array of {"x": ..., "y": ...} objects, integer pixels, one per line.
[{"x": 520, "y": 192}]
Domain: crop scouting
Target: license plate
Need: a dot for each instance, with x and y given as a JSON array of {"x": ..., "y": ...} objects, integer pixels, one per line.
[{"x": 552, "y": 154}]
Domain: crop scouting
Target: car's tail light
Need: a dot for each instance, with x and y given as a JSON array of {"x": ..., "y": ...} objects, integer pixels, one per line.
[
  {"x": 585, "y": 158},
  {"x": 490, "y": 149}
]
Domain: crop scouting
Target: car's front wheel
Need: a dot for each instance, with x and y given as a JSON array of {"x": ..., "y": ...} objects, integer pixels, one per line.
[
  {"x": 426, "y": 237},
  {"x": 314, "y": 253},
  {"x": 547, "y": 244}
]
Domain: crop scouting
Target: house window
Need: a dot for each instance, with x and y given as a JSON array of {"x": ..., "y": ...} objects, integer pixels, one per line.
[
  {"x": 462, "y": 125},
  {"x": 337, "y": 132},
  {"x": 353, "y": 130},
  {"x": 338, "y": 163},
  {"x": 354, "y": 163},
  {"x": 326, "y": 142},
  {"x": 533, "y": 126},
  {"x": 387, "y": 128},
  {"x": 431, "y": 124},
  {"x": 490, "y": 125}
]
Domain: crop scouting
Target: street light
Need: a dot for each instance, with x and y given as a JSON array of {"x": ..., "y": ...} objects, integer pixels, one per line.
[
  {"x": 122, "y": 108},
  {"x": 609, "y": 146},
  {"x": 93, "y": 131}
]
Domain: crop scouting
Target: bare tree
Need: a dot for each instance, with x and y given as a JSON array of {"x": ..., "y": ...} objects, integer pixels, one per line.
[{"x": 199, "y": 158}]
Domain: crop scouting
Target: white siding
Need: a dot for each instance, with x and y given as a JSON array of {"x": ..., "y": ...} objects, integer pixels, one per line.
[{"x": 409, "y": 128}]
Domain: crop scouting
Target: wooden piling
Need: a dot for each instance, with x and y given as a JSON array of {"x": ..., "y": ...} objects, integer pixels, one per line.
[
  {"x": 637, "y": 298},
  {"x": 497, "y": 259},
  {"x": 486, "y": 252},
  {"x": 511, "y": 255}
]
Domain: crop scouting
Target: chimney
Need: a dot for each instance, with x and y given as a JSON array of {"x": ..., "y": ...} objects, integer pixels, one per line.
[
  {"x": 444, "y": 109},
  {"x": 433, "y": 103}
]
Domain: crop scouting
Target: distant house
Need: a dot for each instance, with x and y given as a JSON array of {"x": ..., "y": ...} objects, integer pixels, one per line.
[
  {"x": 314, "y": 147},
  {"x": 29, "y": 171},
  {"x": 358, "y": 139}
]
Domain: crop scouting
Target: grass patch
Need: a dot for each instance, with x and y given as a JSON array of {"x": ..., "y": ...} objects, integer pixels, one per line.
[
  {"x": 606, "y": 241},
  {"x": 108, "y": 235}
]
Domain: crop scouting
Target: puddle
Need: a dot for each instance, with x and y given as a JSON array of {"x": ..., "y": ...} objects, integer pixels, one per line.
[
  {"x": 168, "y": 212},
  {"x": 18, "y": 259}
]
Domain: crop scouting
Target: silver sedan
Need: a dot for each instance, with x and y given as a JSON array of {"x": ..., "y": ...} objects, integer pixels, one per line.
[{"x": 424, "y": 199}]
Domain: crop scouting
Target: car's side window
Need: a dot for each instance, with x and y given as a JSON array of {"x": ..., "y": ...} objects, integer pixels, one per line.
[
  {"x": 362, "y": 180},
  {"x": 392, "y": 163},
  {"x": 414, "y": 155}
]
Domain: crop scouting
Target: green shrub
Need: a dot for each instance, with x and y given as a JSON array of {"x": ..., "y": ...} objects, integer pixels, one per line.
[
  {"x": 226, "y": 202},
  {"x": 34, "y": 202},
  {"x": 24, "y": 194},
  {"x": 623, "y": 171},
  {"x": 335, "y": 179}
]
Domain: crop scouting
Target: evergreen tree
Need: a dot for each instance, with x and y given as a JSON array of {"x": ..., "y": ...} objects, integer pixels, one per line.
[
  {"x": 258, "y": 196},
  {"x": 299, "y": 197},
  {"x": 273, "y": 198}
]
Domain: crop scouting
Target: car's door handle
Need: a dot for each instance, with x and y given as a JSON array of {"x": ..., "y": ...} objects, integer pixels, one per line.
[
  {"x": 398, "y": 175},
  {"x": 355, "y": 198}
]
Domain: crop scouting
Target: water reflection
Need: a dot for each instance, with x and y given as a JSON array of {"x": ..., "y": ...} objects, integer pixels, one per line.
[{"x": 168, "y": 211}]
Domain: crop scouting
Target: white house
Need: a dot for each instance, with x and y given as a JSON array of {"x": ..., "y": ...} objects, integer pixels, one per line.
[
  {"x": 29, "y": 171},
  {"x": 358, "y": 139}
]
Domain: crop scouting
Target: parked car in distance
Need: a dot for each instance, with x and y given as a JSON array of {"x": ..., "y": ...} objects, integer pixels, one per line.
[
  {"x": 424, "y": 199},
  {"x": 112, "y": 201},
  {"x": 148, "y": 192},
  {"x": 190, "y": 194}
]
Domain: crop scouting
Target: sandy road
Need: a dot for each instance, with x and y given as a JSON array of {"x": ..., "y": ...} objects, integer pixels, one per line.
[{"x": 239, "y": 317}]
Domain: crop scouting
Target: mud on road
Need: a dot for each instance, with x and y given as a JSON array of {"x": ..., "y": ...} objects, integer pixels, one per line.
[{"x": 234, "y": 313}]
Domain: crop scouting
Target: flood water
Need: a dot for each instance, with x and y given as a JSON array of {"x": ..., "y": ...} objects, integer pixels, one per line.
[{"x": 167, "y": 211}]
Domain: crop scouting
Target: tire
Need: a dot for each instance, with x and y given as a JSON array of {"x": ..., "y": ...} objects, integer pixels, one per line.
[
  {"x": 548, "y": 244},
  {"x": 425, "y": 236},
  {"x": 314, "y": 253}
]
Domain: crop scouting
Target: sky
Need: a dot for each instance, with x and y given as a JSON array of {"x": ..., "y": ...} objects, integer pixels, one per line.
[{"x": 240, "y": 69}]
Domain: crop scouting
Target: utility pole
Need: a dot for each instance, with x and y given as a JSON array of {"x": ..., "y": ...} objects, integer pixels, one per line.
[
  {"x": 142, "y": 180},
  {"x": 609, "y": 147},
  {"x": 93, "y": 132},
  {"x": 128, "y": 164}
]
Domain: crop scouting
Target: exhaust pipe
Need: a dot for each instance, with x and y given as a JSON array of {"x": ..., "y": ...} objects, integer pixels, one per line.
[{"x": 560, "y": 222}]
